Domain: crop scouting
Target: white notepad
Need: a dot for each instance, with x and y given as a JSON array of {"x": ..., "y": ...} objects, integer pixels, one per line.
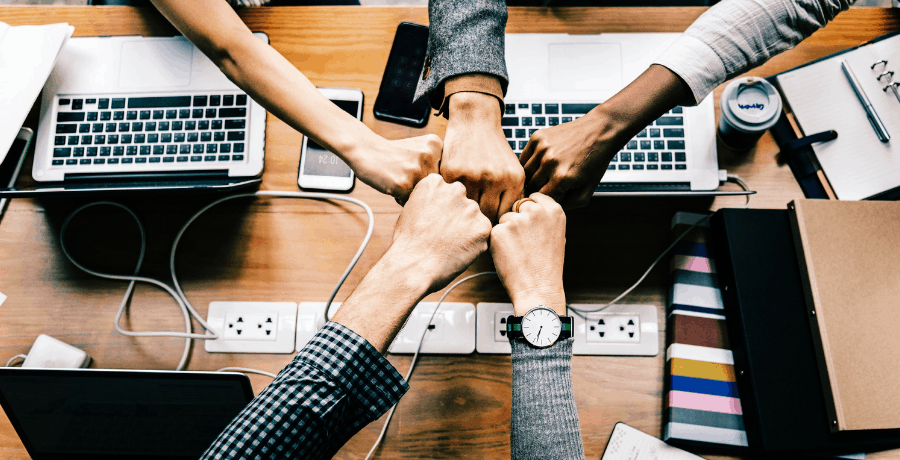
[
  {"x": 627, "y": 443},
  {"x": 856, "y": 164},
  {"x": 27, "y": 55}
]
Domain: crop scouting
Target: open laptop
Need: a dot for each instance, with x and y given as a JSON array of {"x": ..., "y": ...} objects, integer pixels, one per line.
[
  {"x": 64, "y": 414},
  {"x": 557, "y": 78},
  {"x": 145, "y": 113}
]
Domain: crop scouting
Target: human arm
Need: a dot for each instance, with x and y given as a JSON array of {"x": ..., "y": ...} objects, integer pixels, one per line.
[
  {"x": 465, "y": 78},
  {"x": 392, "y": 167},
  {"x": 528, "y": 248},
  {"x": 568, "y": 161},
  {"x": 339, "y": 381}
]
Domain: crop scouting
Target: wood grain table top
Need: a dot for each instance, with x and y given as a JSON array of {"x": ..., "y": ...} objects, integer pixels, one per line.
[{"x": 294, "y": 250}]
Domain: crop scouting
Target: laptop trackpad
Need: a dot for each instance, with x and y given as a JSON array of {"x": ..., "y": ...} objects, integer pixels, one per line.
[
  {"x": 160, "y": 62},
  {"x": 585, "y": 67}
]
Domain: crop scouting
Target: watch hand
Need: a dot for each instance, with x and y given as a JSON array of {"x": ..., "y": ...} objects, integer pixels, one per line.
[{"x": 539, "y": 332}]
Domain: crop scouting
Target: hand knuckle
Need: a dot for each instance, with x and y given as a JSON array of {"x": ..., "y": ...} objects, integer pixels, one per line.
[{"x": 458, "y": 188}]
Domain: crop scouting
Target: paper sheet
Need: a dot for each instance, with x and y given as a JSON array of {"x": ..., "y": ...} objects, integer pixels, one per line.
[
  {"x": 856, "y": 164},
  {"x": 627, "y": 443},
  {"x": 27, "y": 55}
]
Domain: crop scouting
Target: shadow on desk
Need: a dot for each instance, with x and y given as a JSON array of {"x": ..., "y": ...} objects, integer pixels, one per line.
[{"x": 107, "y": 239}]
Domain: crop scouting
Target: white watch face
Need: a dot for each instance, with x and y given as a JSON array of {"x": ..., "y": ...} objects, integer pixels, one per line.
[{"x": 541, "y": 327}]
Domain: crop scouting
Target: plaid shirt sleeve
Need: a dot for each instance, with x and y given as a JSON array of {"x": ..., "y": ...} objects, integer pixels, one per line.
[{"x": 334, "y": 387}]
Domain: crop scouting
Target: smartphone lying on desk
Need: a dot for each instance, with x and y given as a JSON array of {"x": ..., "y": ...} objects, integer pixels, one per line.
[
  {"x": 401, "y": 75},
  {"x": 11, "y": 164},
  {"x": 319, "y": 168}
]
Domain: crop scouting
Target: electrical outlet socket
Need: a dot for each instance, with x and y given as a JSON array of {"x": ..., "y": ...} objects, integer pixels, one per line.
[
  {"x": 490, "y": 331},
  {"x": 311, "y": 318},
  {"x": 620, "y": 329},
  {"x": 612, "y": 328},
  {"x": 453, "y": 330},
  {"x": 252, "y": 327}
]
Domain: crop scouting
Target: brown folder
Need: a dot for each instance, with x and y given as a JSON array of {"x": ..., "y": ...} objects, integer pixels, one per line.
[{"x": 849, "y": 254}]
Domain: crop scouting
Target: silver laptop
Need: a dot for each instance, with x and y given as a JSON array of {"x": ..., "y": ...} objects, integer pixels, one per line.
[
  {"x": 557, "y": 78},
  {"x": 138, "y": 108}
]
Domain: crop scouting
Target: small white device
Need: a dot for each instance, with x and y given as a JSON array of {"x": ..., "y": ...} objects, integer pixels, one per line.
[
  {"x": 319, "y": 168},
  {"x": 48, "y": 352}
]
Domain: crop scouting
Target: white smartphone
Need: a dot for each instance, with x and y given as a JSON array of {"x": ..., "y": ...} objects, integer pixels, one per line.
[{"x": 319, "y": 168}]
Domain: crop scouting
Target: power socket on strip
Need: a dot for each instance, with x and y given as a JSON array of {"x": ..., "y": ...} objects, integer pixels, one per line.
[
  {"x": 453, "y": 331},
  {"x": 252, "y": 327},
  {"x": 311, "y": 318},
  {"x": 625, "y": 330},
  {"x": 491, "y": 328},
  {"x": 617, "y": 330}
]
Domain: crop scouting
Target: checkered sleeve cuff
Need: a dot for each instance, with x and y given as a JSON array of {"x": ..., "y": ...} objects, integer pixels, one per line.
[{"x": 354, "y": 364}]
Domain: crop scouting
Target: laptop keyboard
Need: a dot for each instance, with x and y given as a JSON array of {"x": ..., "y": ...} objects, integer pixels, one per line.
[
  {"x": 197, "y": 131},
  {"x": 659, "y": 147}
]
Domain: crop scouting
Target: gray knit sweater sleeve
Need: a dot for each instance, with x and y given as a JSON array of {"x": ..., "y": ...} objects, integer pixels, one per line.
[
  {"x": 464, "y": 37},
  {"x": 544, "y": 421}
]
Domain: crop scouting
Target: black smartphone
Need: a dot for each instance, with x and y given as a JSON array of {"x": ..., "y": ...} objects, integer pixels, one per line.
[{"x": 401, "y": 75}]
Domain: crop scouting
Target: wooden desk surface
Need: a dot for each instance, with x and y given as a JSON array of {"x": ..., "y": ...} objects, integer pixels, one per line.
[{"x": 294, "y": 250}]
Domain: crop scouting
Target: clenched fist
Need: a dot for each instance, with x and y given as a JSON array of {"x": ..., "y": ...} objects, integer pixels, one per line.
[
  {"x": 476, "y": 153},
  {"x": 395, "y": 167},
  {"x": 529, "y": 248},
  {"x": 440, "y": 231}
]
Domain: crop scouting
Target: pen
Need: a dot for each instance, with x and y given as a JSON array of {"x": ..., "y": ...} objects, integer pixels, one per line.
[{"x": 876, "y": 123}]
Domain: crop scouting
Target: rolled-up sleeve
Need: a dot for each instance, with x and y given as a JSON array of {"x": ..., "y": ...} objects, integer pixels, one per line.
[{"x": 737, "y": 35}]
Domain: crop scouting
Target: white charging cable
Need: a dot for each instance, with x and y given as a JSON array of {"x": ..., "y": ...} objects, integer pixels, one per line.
[
  {"x": 15, "y": 358},
  {"x": 178, "y": 294},
  {"x": 582, "y": 311},
  {"x": 412, "y": 364}
]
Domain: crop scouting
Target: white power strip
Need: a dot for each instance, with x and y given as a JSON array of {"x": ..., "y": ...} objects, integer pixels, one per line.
[
  {"x": 252, "y": 327},
  {"x": 453, "y": 332},
  {"x": 617, "y": 330},
  {"x": 491, "y": 328}
]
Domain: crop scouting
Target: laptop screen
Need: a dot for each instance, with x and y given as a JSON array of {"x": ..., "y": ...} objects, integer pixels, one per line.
[{"x": 99, "y": 414}]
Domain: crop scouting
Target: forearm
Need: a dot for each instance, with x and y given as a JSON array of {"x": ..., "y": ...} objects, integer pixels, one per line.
[
  {"x": 265, "y": 74},
  {"x": 544, "y": 419},
  {"x": 283, "y": 90},
  {"x": 379, "y": 306},
  {"x": 737, "y": 35},
  {"x": 648, "y": 97}
]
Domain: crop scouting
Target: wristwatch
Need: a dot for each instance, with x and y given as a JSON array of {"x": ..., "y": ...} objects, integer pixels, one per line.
[{"x": 541, "y": 327}]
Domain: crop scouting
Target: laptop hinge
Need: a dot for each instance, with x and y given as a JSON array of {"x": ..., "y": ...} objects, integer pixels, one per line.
[{"x": 148, "y": 176}]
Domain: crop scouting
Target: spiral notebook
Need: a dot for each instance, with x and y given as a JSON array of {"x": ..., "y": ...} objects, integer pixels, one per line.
[{"x": 857, "y": 165}]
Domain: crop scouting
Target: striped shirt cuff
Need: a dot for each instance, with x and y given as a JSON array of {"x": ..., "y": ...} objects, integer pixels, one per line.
[
  {"x": 354, "y": 364},
  {"x": 696, "y": 63}
]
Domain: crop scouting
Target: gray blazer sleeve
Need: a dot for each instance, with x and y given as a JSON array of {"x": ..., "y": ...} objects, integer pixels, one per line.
[
  {"x": 544, "y": 420},
  {"x": 466, "y": 36}
]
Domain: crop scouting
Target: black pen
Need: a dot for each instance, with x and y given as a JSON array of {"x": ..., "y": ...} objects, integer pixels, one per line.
[{"x": 876, "y": 123}]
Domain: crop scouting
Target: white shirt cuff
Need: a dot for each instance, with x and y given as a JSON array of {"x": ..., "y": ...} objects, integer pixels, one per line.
[{"x": 696, "y": 63}]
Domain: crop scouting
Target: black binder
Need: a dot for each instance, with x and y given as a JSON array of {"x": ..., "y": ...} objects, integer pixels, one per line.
[{"x": 774, "y": 359}]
